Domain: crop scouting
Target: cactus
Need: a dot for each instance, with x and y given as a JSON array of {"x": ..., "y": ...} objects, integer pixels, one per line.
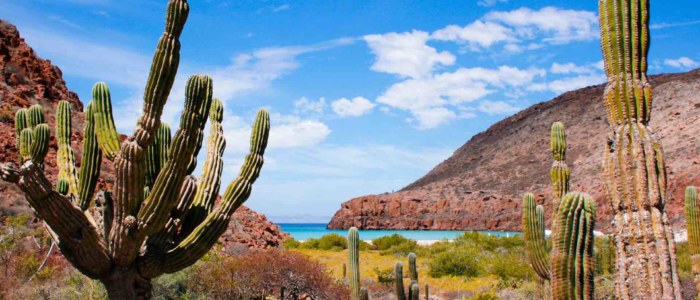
[
  {"x": 535, "y": 244},
  {"x": 573, "y": 263},
  {"x": 413, "y": 291},
  {"x": 634, "y": 169},
  {"x": 412, "y": 269},
  {"x": 133, "y": 233},
  {"x": 559, "y": 172},
  {"x": 692, "y": 218},
  {"x": 354, "y": 262},
  {"x": 364, "y": 294},
  {"x": 40, "y": 144},
  {"x": 398, "y": 281},
  {"x": 427, "y": 292},
  {"x": 157, "y": 153}
]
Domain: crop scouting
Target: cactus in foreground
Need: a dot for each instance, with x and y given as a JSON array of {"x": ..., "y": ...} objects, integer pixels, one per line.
[
  {"x": 398, "y": 281},
  {"x": 127, "y": 237},
  {"x": 573, "y": 263},
  {"x": 533, "y": 229},
  {"x": 427, "y": 292},
  {"x": 692, "y": 219},
  {"x": 412, "y": 268},
  {"x": 364, "y": 294},
  {"x": 413, "y": 291},
  {"x": 634, "y": 169},
  {"x": 354, "y": 262}
]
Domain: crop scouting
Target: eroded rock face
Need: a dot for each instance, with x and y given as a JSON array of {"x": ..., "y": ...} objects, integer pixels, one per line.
[
  {"x": 26, "y": 79},
  {"x": 481, "y": 185}
]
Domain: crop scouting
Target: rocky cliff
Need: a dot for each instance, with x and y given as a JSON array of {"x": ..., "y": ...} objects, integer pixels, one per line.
[
  {"x": 26, "y": 79},
  {"x": 480, "y": 186}
]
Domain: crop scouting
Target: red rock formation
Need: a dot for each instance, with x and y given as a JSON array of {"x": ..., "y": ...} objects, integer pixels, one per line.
[
  {"x": 27, "y": 79},
  {"x": 481, "y": 185}
]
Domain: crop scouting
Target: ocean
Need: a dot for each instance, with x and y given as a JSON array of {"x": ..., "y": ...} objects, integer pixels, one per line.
[{"x": 305, "y": 231}]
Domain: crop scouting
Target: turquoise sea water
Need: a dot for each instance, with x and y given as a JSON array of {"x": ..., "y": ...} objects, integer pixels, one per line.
[{"x": 305, "y": 231}]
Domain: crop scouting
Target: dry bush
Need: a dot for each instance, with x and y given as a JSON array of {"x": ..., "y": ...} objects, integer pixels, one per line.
[{"x": 255, "y": 274}]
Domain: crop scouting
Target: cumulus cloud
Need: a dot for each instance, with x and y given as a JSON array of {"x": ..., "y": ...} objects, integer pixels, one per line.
[
  {"x": 558, "y": 25},
  {"x": 293, "y": 131},
  {"x": 682, "y": 63},
  {"x": 577, "y": 82},
  {"x": 477, "y": 35},
  {"x": 306, "y": 105},
  {"x": 406, "y": 54},
  {"x": 430, "y": 100},
  {"x": 497, "y": 107},
  {"x": 354, "y": 107}
]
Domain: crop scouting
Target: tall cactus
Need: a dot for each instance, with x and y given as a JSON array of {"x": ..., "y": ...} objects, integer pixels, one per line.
[
  {"x": 354, "y": 262},
  {"x": 413, "y": 291},
  {"x": 573, "y": 262},
  {"x": 398, "y": 282},
  {"x": 692, "y": 218},
  {"x": 634, "y": 168},
  {"x": 132, "y": 236},
  {"x": 533, "y": 229}
]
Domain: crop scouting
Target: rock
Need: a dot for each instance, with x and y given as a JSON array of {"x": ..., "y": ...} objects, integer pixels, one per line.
[
  {"x": 481, "y": 185},
  {"x": 26, "y": 79}
]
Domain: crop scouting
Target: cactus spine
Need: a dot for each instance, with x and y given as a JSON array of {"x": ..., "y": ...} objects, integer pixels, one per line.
[
  {"x": 573, "y": 263},
  {"x": 692, "y": 218},
  {"x": 634, "y": 168},
  {"x": 133, "y": 233},
  {"x": 398, "y": 281},
  {"x": 354, "y": 262},
  {"x": 535, "y": 244}
]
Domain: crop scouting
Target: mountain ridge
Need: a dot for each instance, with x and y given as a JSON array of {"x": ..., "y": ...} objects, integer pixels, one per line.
[{"x": 480, "y": 186}]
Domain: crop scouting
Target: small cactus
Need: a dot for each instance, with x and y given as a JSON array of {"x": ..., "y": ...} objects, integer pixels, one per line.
[
  {"x": 398, "y": 281},
  {"x": 535, "y": 244},
  {"x": 354, "y": 262},
  {"x": 364, "y": 294},
  {"x": 412, "y": 269},
  {"x": 413, "y": 291}
]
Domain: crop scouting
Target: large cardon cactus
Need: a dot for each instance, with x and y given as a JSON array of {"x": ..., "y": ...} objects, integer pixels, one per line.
[
  {"x": 158, "y": 218},
  {"x": 634, "y": 168}
]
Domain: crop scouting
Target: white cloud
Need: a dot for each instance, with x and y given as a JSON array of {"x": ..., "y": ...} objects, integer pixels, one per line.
[
  {"x": 558, "y": 26},
  {"x": 429, "y": 100},
  {"x": 488, "y": 3},
  {"x": 497, "y": 107},
  {"x": 682, "y": 63},
  {"x": 677, "y": 24},
  {"x": 406, "y": 54},
  {"x": 573, "y": 83},
  {"x": 569, "y": 68},
  {"x": 354, "y": 107},
  {"x": 477, "y": 34},
  {"x": 306, "y": 105},
  {"x": 281, "y": 8},
  {"x": 292, "y": 131}
]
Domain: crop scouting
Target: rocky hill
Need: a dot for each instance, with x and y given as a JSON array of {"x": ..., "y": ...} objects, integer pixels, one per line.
[
  {"x": 480, "y": 186},
  {"x": 26, "y": 79}
]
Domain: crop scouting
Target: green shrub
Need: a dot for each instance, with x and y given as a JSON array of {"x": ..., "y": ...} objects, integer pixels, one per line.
[
  {"x": 332, "y": 241},
  {"x": 386, "y": 242},
  {"x": 384, "y": 276},
  {"x": 291, "y": 243},
  {"x": 401, "y": 249},
  {"x": 463, "y": 260},
  {"x": 512, "y": 266},
  {"x": 311, "y": 243}
]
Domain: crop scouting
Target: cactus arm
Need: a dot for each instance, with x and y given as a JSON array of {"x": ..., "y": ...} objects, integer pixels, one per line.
[
  {"x": 354, "y": 262},
  {"x": 26, "y": 139},
  {"x": 65, "y": 155},
  {"x": 210, "y": 180},
  {"x": 414, "y": 291},
  {"x": 106, "y": 131},
  {"x": 364, "y": 294},
  {"x": 91, "y": 160},
  {"x": 77, "y": 237},
  {"x": 20, "y": 124},
  {"x": 35, "y": 116},
  {"x": 166, "y": 237},
  {"x": 164, "y": 67},
  {"x": 692, "y": 218},
  {"x": 207, "y": 233},
  {"x": 40, "y": 145},
  {"x": 398, "y": 281},
  {"x": 156, "y": 209},
  {"x": 62, "y": 186},
  {"x": 535, "y": 244},
  {"x": 157, "y": 153}
]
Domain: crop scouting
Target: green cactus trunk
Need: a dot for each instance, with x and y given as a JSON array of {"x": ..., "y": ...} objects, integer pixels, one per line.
[
  {"x": 573, "y": 263},
  {"x": 414, "y": 291},
  {"x": 535, "y": 243},
  {"x": 354, "y": 262},
  {"x": 364, "y": 294},
  {"x": 412, "y": 268},
  {"x": 634, "y": 168},
  {"x": 398, "y": 282},
  {"x": 692, "y": 219}
]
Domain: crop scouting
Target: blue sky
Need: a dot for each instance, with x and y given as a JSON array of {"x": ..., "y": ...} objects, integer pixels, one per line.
[{"x": 365, "y": 96}]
